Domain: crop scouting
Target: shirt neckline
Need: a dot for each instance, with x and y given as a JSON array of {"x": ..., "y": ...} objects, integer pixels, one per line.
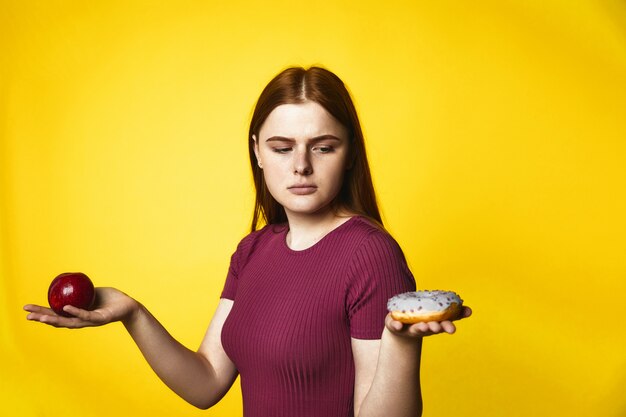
[{"x": 287, "y": 249}]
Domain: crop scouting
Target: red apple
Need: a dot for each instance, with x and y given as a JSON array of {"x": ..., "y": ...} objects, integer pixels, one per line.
[{"x": 71, "y": 288}]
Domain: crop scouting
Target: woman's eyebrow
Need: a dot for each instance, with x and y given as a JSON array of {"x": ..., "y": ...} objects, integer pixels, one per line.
[{"x": 317, "y": 138}]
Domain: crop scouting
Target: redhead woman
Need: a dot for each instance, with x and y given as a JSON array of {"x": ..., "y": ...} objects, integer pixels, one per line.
[{"x": 302, "y": 316}]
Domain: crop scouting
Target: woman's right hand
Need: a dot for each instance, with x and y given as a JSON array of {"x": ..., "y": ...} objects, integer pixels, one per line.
[{"x": 111, "y": 305}]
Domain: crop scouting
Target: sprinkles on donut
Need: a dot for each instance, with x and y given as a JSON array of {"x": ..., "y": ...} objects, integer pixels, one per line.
[{"x": 422, "y": 306}]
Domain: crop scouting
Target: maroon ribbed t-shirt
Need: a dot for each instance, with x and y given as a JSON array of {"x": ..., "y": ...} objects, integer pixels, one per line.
[{"x": 294, "y": 313}]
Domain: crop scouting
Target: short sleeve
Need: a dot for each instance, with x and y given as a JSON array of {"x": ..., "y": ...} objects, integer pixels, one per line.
[
  {"x": 230, "y": 286},
  {"x": 237, "y": 261},
  {"x": 377, "y": 272}
]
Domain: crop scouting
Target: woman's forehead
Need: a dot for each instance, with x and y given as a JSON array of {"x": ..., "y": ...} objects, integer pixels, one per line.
[{"x": 301, "y": 120}]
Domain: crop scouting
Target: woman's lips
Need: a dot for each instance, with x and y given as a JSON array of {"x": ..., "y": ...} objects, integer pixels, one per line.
[{"x": 302, "y": 189}]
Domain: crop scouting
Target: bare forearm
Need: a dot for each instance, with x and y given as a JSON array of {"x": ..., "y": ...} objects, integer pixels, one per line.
[
  {"x": 186, "y": 372},
  {"x": 395, "y": 389}
]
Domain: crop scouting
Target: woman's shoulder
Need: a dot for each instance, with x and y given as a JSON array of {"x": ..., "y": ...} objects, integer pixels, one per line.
[
  {"x": 266, "y": 232},
  {"x": 364, "y": 228},
  {"x": 377, "y": 262},
  {"x": 367, "y": 225},
  {"x": 370, "y": 236},
  {"x": 248, "y": 244}
]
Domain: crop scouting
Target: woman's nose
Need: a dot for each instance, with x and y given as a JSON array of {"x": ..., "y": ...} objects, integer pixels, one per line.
[{"x": 302, "y": 162}]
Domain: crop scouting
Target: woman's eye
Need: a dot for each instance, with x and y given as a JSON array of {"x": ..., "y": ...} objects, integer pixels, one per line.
[
  {"x": 281, "y": 150},
  {"x": 324, "y": 149}
]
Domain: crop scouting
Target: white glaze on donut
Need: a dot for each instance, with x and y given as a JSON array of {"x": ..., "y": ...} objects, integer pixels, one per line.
[{"x": 423, "y": 302}]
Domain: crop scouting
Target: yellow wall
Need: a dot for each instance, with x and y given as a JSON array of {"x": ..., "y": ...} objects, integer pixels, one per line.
[{"x": 496, "y": 137}]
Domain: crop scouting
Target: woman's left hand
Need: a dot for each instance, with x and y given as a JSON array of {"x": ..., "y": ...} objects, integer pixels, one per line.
[{"x": 417, "y": 330}]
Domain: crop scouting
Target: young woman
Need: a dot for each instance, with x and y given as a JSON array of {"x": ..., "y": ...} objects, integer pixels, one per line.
[{"x": 302, "y": 317}]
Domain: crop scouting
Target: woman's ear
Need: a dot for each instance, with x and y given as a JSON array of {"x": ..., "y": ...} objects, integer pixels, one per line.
[{"x": 256, "y": 151}]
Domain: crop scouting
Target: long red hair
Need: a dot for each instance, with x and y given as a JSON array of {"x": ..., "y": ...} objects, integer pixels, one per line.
[{"x": 296, "y": 85}]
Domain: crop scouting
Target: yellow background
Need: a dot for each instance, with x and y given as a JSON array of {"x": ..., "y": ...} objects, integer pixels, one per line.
[{"x": 496, "y": 136}]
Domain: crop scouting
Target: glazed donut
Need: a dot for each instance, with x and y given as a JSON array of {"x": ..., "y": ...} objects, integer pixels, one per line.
[{"x": 420, "y": 306}]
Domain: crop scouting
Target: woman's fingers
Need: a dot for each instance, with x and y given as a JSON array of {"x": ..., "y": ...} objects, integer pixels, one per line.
[
  {"x": 33, "y": 308},
  {"x": 93, "y": 317},
  {"x": 396, "y": 325},
  {"x": 448, "y": 327},
  {"x": 48, "y": 316},
  {"x": 425, "y": 328},
  {"x": 77, "y": 312},
  {"x": 52, "y": 320},
  {"x": 111, "y": 305},
  {"x": 429, "y": 328},
  {"x": 420, "y": 328},
  {"x": 39, "y": 313},
  {"x": 434, "y": 326}
]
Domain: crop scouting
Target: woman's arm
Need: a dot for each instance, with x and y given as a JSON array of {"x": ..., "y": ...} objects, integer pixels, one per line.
[
  {"x": 387, "y": 380},
  {"x": 387, "y": 371},
  {"x": 201, "y": 378}
]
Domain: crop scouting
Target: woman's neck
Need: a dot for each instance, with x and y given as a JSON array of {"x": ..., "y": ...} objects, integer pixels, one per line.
[{"x": 306, "y": 230}]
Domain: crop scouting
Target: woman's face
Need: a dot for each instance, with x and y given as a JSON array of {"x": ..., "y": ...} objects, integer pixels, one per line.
[{"x": 303, "y": 152}]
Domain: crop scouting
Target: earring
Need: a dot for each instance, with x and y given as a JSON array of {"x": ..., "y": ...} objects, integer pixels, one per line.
[{"x": 259, "y": 164}]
